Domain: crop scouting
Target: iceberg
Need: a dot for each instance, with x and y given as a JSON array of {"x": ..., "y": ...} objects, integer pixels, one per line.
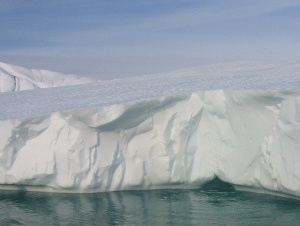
[
  {"x": 174, "y": 130},
  {"x": 15, "y": 78}
]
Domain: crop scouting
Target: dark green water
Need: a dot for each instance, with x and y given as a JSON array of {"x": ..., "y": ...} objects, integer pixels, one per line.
[{"x": 161, "y": 207}]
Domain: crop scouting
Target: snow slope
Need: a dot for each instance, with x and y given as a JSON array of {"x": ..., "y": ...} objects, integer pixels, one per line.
[
  {"x": 159, "y": 131},
  {"x": 14, "y": 78}
]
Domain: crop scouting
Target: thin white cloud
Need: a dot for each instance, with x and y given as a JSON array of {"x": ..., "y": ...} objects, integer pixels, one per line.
[{"x": 161, "y": 34}]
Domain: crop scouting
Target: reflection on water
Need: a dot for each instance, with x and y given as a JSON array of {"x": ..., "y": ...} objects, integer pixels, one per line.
[{"x": 161, "y": 207}]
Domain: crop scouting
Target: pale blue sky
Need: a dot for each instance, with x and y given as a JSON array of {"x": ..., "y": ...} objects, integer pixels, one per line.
[{"x": 118, "y": 38}]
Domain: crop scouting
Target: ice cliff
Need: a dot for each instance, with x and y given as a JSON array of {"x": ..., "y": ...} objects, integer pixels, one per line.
[
  {"x": 157, "y": 131},
  {"x": 14, "y": 78}
]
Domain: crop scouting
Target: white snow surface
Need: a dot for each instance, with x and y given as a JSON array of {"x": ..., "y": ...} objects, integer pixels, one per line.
[
  {"x": 239, "y": 122},
  {"x": 15, "y": 78}
]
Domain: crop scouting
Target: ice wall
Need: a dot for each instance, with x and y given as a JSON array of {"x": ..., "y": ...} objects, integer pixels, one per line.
[
  {"x": 14, "y": 78},
  {"x": 250, "y": 139}
]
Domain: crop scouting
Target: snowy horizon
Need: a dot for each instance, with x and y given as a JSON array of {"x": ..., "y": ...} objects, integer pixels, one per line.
[{"x": 115, "y": 39}]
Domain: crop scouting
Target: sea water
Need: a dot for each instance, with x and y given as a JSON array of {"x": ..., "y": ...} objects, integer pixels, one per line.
[{"x": 155, "y": 207}]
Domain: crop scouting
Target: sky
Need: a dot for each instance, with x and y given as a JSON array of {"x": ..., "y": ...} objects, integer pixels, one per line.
[{"x": 118, "y": 38}]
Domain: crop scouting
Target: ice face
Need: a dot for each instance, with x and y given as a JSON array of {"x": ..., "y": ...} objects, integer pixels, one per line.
[
  {"x": 166, "y": 136},
  {"x": 7, "y": 83},
  {"x": 14, "y": 78},
  {"x": 246, "y": 138}
]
